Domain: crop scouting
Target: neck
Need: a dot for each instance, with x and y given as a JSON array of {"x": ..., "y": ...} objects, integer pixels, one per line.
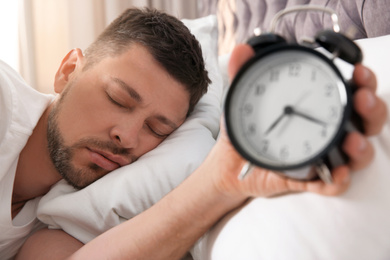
[{"x": 35, "y": 173}]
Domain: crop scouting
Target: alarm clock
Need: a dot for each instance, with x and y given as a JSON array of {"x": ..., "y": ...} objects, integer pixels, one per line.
[{"x": 289, "y": 108}]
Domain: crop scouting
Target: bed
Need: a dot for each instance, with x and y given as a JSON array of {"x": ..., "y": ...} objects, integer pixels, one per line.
[{"x": 301, "y": 226}]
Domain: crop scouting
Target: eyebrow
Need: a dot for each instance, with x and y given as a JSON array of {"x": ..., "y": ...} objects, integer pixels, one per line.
[
  {"x": 134, "y": 94},
  {"x": 137, "y": 97}
]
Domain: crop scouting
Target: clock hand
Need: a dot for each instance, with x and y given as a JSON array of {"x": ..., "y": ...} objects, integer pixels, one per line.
[
  {"x": 286, "y": 111},
  {"x": 308, "y": 117}
]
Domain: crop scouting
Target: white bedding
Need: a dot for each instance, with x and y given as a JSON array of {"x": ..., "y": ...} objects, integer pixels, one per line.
[{"x": 355, "y": 225}]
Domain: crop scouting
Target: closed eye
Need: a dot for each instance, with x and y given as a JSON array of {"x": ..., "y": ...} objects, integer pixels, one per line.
[
  {"x": 155, "y": 133},
  {"x": 113, "y": 101}
]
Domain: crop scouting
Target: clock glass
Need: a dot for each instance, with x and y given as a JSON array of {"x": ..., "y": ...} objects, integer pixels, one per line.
[{"x": 286, "y": 108}]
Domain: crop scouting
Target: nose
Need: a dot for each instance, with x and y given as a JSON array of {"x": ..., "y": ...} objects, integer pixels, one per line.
[{"x": 126, "y": 134}]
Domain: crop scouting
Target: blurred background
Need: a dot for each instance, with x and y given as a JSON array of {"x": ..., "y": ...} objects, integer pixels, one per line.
[{"x": 37, "y": 34}]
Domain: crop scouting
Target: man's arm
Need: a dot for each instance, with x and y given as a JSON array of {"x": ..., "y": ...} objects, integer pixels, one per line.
[
  {"x": 49, "y": 244},
  {"x": 165, "y": 231}
]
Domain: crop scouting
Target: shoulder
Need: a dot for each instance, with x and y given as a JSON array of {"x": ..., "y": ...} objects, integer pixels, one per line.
[
  {"x": 6, "y": 97},
  {"x": 20, "y": 105}
]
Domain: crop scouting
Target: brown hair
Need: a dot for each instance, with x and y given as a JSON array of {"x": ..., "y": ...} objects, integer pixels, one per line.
[{"x": 167, "y": 39}]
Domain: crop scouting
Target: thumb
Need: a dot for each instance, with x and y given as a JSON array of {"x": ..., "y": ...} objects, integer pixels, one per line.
[{"x": 241, "y": 54}]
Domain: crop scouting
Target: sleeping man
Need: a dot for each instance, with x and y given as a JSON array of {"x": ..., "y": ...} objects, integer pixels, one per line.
[{"x": 131, "y": 88}]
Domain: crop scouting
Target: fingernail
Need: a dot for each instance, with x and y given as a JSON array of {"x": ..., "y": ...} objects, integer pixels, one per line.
[
  {"x": 366, "y": 73},
  {"x": 370, "y": 99},
  {"x": 362, "y": 143},
  {"x": 346, "y": 179}
]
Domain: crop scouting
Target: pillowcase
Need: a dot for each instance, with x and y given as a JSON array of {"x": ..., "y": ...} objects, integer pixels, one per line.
[
  {"x": 132, "y": 189},
  {"x": 355, "y": 225}
]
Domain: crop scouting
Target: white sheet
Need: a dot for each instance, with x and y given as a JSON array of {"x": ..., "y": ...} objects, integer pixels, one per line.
[{"x": 303, "y": 226}]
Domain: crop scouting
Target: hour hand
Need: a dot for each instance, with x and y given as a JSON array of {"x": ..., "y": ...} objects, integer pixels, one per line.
[
  {"x": 286, "y": 111},
  {"x": 274, "y": 124}
]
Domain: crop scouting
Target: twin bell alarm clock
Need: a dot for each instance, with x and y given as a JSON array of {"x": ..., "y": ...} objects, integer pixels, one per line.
[{"x": 289, "y": 108}]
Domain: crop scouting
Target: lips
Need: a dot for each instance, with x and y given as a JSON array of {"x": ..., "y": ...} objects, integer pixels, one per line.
[{"x": 107, "y": 160}]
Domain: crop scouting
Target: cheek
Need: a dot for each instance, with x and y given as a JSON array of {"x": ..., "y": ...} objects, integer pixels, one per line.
[
  {"x": 147, "y": 143},
  {"x": 83, "y": 115}
]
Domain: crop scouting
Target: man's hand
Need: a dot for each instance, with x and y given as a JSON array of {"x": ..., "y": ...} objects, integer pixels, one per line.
[{"x": 262, "y": 182}]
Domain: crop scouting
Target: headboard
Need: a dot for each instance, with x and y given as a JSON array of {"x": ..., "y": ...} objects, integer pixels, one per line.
[{"x": 238, "y": 18}]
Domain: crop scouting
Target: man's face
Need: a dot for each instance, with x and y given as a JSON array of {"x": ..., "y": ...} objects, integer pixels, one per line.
[{"x": 112, "y": 113}]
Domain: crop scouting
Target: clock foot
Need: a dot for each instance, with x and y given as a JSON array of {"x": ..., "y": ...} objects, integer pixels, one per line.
[{"x": 324, "y": 172}]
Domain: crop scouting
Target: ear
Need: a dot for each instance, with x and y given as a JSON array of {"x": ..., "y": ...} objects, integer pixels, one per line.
[{"x": 71, "y": 62}]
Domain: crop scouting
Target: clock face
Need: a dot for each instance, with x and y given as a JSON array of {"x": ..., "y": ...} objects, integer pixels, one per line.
[{"x": 286, "y": 109}]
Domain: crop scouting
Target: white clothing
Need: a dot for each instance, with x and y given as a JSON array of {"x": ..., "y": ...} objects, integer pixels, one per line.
[{"x": 20, "y": 109}]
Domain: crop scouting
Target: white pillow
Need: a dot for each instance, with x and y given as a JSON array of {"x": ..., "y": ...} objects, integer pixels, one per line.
[
  {"x": 132, "y": 189},
  {"x": 303, "y": 226}
]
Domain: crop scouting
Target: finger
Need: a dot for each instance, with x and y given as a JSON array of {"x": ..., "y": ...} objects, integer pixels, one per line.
[
  {"x": 359, "y": 150},
  {"x": 341, "y": 180},
  {"x": 371, "y": 109},
  {"x": 241, "y": 54},
  {"x": 364, "y": 78}
]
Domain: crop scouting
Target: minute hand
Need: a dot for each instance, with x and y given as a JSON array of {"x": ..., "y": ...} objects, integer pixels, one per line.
[{"x": 308, "y": 117}]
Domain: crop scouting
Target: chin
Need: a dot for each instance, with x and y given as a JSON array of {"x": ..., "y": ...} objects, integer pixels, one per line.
[{"x": 81, "y": 178}]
